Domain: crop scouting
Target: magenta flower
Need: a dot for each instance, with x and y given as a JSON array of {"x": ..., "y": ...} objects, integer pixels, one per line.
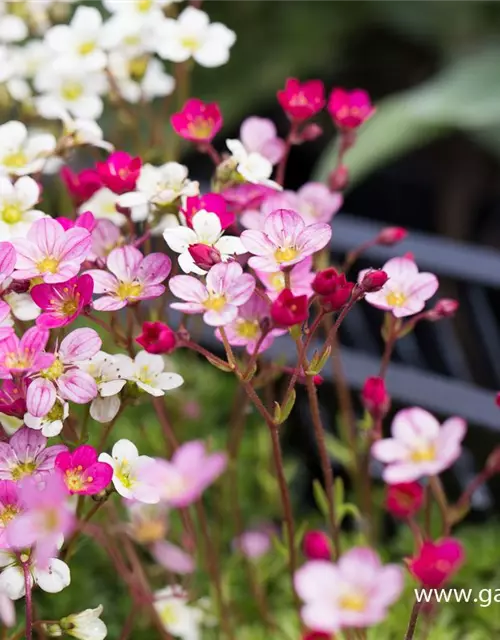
[
  {"x": 406, "y": 290},
  {"x": 81, "y": 186},
  {"x": 301, "y": 101},
  {"x": 419, "y": 445},
  {"x": 246, "y": 329},
  {"x": 81, "y": 471},
  {"x": 197, "y": 121},
  {"x": 119, "y": 172},
  {"x": 284, "y": 240},
  {"x": 259, "y": 135},
  {"x": 211, "y": 202},
  {"x": 10, "y": 507},
  {"x": 27, "y": 454},
  {"x": 62, "y": 302},
  {"x": 226, "y": 289},
  {"x": 349, "y": 109},
  {"x": 13, "y": 397},
  {"x": 133, "y": 277},
  {"x": 63, "y": 376},
  {"x": 46, "y": 518},
  {"x": 25, "y": 355},
  {"x": 246, "y": 196},
  {"x": 355, "y": 592},
  {"x": 50, "y": 252},
  {"x": 301, "y": 278},
  {"x": 188, "y": 474},
  {"x": 85, "y": 220}
]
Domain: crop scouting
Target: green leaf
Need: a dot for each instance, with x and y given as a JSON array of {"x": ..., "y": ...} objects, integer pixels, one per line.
[
  {"x": 338, "y": 450},
  {"x": 320, "y": 497},
  {"x": 282, "y": 413}
]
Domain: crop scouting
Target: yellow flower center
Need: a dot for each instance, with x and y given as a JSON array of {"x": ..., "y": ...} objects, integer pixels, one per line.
[
  {"x": 48, "y": 265},
  {"x": 395, "y": 299},
  {"x": 353, "y": 602},
  {"x": 248, "y": 328},
  {"x": 144, "y": 5},
  {"x": 137, "y": 67},
  {"x": 72, "y": 90},
  {"x": 277, "y": 280},
  {"x": 56, "y": 413},
  {"x": 168, "y": 614},
  {"x": 191, "y": 43},
  {"x": 299, "y": 100},
  {"x": 18, "y": 360},
  {"x": 128, "y": 290},
  {"x": 425, "y": 454},
  {"x": 8, "y": 514},
  {"x": 74, "y": 480},
  {"x": 23, "y": 469},
  {"x": 149, "y": 531},
  {"x": 86, "y": 47},
  {"x": 123, "y": 473},
  {"x": 55, "y": 370},
  {"x": 144, "y": 375},
  {"x": 285, "y": 254},
  {"x": 11, "y": 214},
  {"x": 15, "y": 160},
  {"x": 215, "y": 302},
  {"x": 201, "y": 127}
]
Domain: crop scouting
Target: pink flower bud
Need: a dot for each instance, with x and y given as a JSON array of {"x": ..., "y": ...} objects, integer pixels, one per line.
[
  {"x": 373, "y": 280},
  {"x": 444, "y": 308},
  {"x": 338, "y": 179},
  {"x": 325, "y": 281},
  {"x": 375, "y": 398},
  {"x": 157, "y": 337},
  {"x": 391, "y": 235},
  {"x": 316, "y": 546},
  {"x": 436, "y": 562},
  {"x": 405, "y": 499},
  {"x": 338, "y": 298},
  {"x": 288, "y": 310},
  {"x": 204, "y": 256},
  {"x": 310, "y": 132}
]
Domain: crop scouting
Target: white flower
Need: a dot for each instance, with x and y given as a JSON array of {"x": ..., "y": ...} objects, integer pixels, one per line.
[
  {"x": 22, "y": 153},
  {"x": 138, "y": 9},
  {"x": 131, "y": 472},
  {"x": 128, "y": 34},
  {"x": 7, "y": 610},
  {"x": 53, "y": 578},
  {"x": 72, "y": 88},
  {"x": 82, "y": 131},
  {"x": 22, "y": 305},
  {"x": 17, "y": 203},
  {"x": 12, "y": 28},
  {"x": 80, "y": 39},
  {"x": 111, "y": 373},
  {"x": 103, "y": 205},
  {"x": 192, "y": 35},
  {"x": 140, "y": 78},
  {"x": 179, "y": 618},
  {"x": 251, "y": 166},
  {"x": 149, "y": 376},
  {"x": 158, "y": 186},
  {"x": 51, "y": 424},
  {"x": 206, "y": 230},
  {"x": 86, "y": 625}
]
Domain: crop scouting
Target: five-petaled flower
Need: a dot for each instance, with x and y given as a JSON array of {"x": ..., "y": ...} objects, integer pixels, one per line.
[
  {"x": 82, "y": 472},
  {"x": 301, "y": 101},
  {"x": 350, "y": 109},
  {"x": 197, "y": 121},
  {"x": 63, "y": 302}
]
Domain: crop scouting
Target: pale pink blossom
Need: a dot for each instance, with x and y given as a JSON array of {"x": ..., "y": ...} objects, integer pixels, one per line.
[
  {"x": 259, "y": 135},
  {"x": 226, "y": 289},
  {"x": 172, "y": 557},
  {"x": 50, "y": 252},
  {"x": 301, "y": 277},
  {"x": 284, "y": 240},
  {"x": 419, "y": 446},
  {"x": 45, "y": 519},
  {"x": 106, "y": 236},
  {"x": 7, "y": 609},
  {"x": 10, "y": 507},
  {"x": 27, "y": 454},
  {"x": 64, "y": 377},
  {"x": 355, "y": 592},
  {"x": 132, "y": 277},
  {"x": 406, "y": 291},
  {"x": 25, "y": 355},
  {"x": 183, "y": 479},
  {"x": 246, "y": 329}
]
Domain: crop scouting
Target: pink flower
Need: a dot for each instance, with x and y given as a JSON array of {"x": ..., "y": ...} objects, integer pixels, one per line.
[
  {"x": 171, "y": 557},
  {"x": 119, "y": 172},
  {"x": 62, "y": 303},
  {"x": 246, "y": 196},
  {"x": 7, "y": 260},
  {"x": 13, "y": 397},
  {"x": 301, "y": 278},
  {"x": 85, "y": 220},
  {"x": 284, "y": 241},
  {"x": 82, "y": 185},
  {"x": 63, "y": 376},
  {"x": 27, "y": 454},
  {"x": 133, "y": 277},
  {"x": 157, "y": 337},
  {"x": 246, "y": 329},
  {"x": 406, "y": 290},
  {"x": 436, "y": 562},
  {"x": 288, "y": 310},
  {"x": 106, "y": 236},
  {"x": 10, "y": 507},
  {"x": 188, "y": 474},
  {"x": 46, "y": 517},
  {"x": 355, "y": 592},
  {"x": 301, "y": 101},
  {"x": 25, "y": 355},
  {"x": 81, "y": 471},
  {"x": 316, "y": 203},
  {"x": 419, "y": 445},
  {"x": 197, "y": 121},
  {"x": 226, "y": 289},
  {"x": 349, "y": 109},
  {"x": 259, "y": 135},
  {"x": 212, "y": 202},
  {"x": 50, "y": 252},
  {"x": 405, "y": 499},
  {"x": 254, "y": 543}
]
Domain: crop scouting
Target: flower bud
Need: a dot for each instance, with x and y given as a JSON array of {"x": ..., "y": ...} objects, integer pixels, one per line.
[
  {"x": 157, "y": 337},
  {"x": 444, "y": 308},
  {"x": 436, "y": 562},
  {"x": 288, "y": 310},
  {"x": 310, "y": 132},
  {"x": 86, "y": 625},
  {"x": 340, "y": 296},
  {"x": 338, "y": 179},
  {"x": 405, "y": 499},
  {"x": 375, "y": 398},
  {"x": 391, "y": 235},
  {"x": 204, "y": 256},
  {"x": 373, "y": 280},
  {"x": 316, "y": 546},
  {"x": 325, "y": 281}
]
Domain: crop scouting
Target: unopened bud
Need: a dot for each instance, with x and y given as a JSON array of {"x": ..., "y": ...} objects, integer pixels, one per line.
[
  {"x": 444, "y": 308},
  {"x": 310, "y": 132},
  {"x": 373, "y": 280},
  {"x": 375, "y": 398},
  {"x": 317, "y": 546},
  {"x": 391, "y": 235},
  {"x": 338, "y": 179},
  {"x": 204, "y": 256}
]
